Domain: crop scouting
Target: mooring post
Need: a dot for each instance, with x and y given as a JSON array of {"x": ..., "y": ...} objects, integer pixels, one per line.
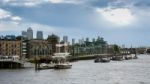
[
  {"x": 35, "y": 59},
  {"x": 2, "y": 65},
  {"x": 11, "y": 65},
  {"x": 35, "y": 63}
]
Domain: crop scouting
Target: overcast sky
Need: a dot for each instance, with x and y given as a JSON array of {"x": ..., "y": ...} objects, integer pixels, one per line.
[{"x": 118, "y": 21}]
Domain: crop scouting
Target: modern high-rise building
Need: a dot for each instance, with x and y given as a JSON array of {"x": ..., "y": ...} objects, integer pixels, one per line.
[
  {"x": 65, "y": 39},
  {"x": 73, "y": 41},
  {"x": 87, "y": 39},
  {"x": 80, "y": 41},
  {"x": 24, "y": 34},
  {"x": 29, "y": 33},
  {"x": 39, "y": 35},
  {"x": 93, "y": 40}
]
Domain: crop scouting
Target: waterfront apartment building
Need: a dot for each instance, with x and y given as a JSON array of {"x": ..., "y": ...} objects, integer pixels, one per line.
[
  {"x": 53, "y": 40},
  {"x": 98, "y": 46},
  {"x": 39, "y": 49},
  {"x": 10, "y": 47}
]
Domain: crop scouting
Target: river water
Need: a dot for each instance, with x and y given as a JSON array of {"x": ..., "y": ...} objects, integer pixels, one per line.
[{"x": 135, "y": 71}]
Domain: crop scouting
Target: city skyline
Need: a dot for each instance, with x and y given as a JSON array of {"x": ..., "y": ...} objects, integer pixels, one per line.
[{"x": 117, "y": 21}]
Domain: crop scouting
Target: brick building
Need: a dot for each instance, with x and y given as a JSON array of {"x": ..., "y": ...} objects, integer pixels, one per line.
[{"x": 10, "y": 47}]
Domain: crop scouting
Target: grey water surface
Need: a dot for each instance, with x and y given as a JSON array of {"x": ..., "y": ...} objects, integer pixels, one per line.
[{"x": 135, "y": 71}]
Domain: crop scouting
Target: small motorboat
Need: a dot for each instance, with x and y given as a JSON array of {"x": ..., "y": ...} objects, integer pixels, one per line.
[
  {"x": 102, "y": 59},
  {"x": 135, "y": 56},
  {"x": 97, "y": 60},
  {"x": 63, "y": 66},
  {"x": 128, "y": 57},
  {"x": 106, "y": 59},
  {"x": 46, "y": 66},
  {"x": 117, "y": 58}
]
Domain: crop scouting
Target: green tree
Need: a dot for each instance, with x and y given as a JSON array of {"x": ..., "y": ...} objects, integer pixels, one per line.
[{"x": 116, "y": 49}]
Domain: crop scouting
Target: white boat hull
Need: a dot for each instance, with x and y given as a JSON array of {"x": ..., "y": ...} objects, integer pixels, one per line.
[{"x": 63, "y": 66}]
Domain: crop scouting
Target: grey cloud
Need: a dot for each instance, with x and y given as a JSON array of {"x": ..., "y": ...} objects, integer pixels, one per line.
[{"x": 142, "y": 3}]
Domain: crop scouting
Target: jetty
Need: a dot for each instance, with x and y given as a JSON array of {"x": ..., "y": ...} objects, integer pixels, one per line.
[{"x": 10, "y": 62}]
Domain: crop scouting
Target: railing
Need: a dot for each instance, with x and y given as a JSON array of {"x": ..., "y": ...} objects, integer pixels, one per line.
[{"x": 10, "y": 59}]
